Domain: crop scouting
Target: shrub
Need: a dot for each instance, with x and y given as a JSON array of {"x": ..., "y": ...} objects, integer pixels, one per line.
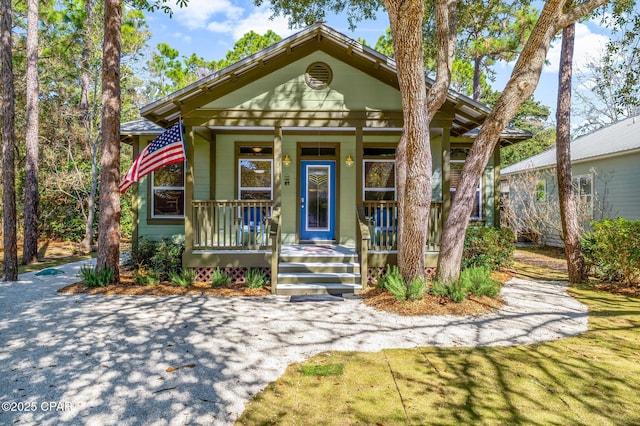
[
  {"x": 394, "y": 283},
  {"x": 475, "y": 280},
  {"x": 219, "y": 278},
  {"x": 417, "y": 288},
  {"x": 478, "y": 281},
  {"x": 163, "y": 257},
  {"x": 488, "y": 247},
  {"x": 167, "y": 257},
  {"x": 255, "y": 278},
  {"x": 454, "y": 291},
  {"x": 145, "y": 277},
  {"x": 182, "y": 279},
  {"x": 612, "y": 249},
  {"x": 93, "y": 277}
]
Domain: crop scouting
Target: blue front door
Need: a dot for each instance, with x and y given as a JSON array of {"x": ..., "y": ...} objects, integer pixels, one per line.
[{"x": 318, "y": 200}]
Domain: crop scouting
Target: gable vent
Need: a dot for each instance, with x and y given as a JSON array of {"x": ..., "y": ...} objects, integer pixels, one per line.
[{"x": 318, "y": 75}]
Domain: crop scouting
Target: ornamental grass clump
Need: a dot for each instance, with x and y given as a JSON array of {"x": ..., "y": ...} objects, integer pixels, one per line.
[
  {"x": 395, "y": 284},
  {"x": 255, "y": 278},
  {"x": 182, "y": 279},
  {"x": 475, "y": 280},
  {"x": 219, "y": 278},
  {"x": 92, "y": 277}
]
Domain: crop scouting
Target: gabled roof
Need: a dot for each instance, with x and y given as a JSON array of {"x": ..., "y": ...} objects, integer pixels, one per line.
[
  {"x": 615, "y": 139},
  {"x": 468, "y": 113}
]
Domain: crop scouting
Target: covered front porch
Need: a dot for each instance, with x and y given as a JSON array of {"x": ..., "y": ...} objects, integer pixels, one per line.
[{"x": 248, "y": 234}]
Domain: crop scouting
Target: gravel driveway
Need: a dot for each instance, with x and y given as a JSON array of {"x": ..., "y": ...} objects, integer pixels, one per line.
[{"x": 80, "y": 359}]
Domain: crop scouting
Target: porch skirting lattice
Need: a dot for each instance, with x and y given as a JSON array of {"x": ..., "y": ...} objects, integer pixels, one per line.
[{"x": 237, "y": 274}]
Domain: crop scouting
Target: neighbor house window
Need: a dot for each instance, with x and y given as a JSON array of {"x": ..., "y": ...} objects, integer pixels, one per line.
[
  {"x": 379, "y": 180},
  {"x": 455, "y": 175},
  {"x": 167, "y": 191},
  {"x": 255, "y": 179},
  {"x": 583, "y": 189},
  {"x": 541, "y": 190}
]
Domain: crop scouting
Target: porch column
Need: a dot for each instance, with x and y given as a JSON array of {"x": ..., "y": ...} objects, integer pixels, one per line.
[
  {"x": 188, "y": 189},
  {"x": 359, "y": 156},
  {"x": 446, "y": 174},
  {"x": 277, "y": 166},
  {"x": 497, "y": 195}
]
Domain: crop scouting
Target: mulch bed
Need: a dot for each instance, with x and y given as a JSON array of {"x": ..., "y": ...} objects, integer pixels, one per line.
[
  {"x": 376, "y": 298},
  {"x": 127, "y": 287}
]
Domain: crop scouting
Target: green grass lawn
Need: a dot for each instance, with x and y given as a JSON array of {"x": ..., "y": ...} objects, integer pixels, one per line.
[{"x": 592, "y": 379}]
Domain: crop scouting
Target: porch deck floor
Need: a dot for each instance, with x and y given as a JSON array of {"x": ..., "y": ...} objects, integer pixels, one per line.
[{"x": 310, "y": 250}]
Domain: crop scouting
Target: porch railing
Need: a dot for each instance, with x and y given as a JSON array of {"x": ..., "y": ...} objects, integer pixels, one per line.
[
  {"x": 232, "y": 224},
  {"x": 382, "y": 218}
]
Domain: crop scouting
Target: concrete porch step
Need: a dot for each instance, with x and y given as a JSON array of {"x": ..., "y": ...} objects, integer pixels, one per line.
[
  {"x": 319, "y": 267},
  {"x": 317, "y": 288},
  {"x": 319, "y": 277}
]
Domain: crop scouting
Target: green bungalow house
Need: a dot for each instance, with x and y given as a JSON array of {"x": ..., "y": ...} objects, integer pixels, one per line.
[{"x": 291, "y": 165}]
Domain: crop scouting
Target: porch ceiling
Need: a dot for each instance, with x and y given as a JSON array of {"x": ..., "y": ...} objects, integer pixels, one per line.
[{"x": 468, "y": 114}]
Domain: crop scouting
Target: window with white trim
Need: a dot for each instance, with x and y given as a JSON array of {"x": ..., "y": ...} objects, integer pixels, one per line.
[
  {"x": 583, "y": 189},
  {"x": 255, "y": 179},
  {"x": 167, "y": 192},
  {"x": 379, "y": 177},
  {"x": 455, "y": 174}
]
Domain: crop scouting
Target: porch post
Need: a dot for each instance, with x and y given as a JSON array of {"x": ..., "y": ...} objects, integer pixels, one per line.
[
  {"x": 188, "y": 190},
  {"x": 497, "y": 195},
  {"x": 446, "y": 175},
  {"x": 277, "y": 166},
  {"x": 359, "y": 156}
]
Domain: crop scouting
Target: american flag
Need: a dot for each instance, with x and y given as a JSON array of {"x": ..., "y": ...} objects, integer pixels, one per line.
[{"x": 168, "y": 148}]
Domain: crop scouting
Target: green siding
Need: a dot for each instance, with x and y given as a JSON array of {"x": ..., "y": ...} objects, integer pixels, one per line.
[{"x": 350, "y": 89}]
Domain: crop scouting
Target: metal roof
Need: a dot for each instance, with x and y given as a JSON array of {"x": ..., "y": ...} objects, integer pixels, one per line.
[
  {"x": 615, "y": 139},
  {"x": 468, "y": 113}
]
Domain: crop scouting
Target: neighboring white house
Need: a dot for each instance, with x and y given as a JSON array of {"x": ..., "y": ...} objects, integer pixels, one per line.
[{"x": 606, "y": 176}]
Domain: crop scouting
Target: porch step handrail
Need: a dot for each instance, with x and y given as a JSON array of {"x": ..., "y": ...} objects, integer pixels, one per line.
[
  {"x": 382, "y": 219},
  {"x": 232, "y": 224}
]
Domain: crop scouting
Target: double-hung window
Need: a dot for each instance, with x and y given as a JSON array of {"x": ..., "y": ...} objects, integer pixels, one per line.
[
  {"x": 255, "y": 173},
  {"x": 379, "y": 180},
  {"x": 455, "y": 175},
  {"x": 167, "y": 191},
  {"x": 583, "y": 189}
]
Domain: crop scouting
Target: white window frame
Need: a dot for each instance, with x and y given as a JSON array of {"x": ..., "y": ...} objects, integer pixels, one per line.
[
  {"x": 575, "y": 180},
  {"x": 253, "y": 188},
  {"x": 478, "y": 191},
  {"x": 366, "y": 189},
  {"x": 154, "y": 188}
]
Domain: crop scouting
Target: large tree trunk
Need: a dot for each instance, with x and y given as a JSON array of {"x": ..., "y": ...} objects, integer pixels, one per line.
[
  {"x": 85, "y": 73},
  {"x": 414, "y": 162},
  {"x": 521, "y": 85},
  {"x": 568, "y": 207},
  {"x": 109, "y": 219},
  {"x": 477, "y": 72},
  {"x": 31, "y": 198},
  {"x": 85, "y": 244},
  {"x": 413, "y": 158},
  {"x": 87, "y": 118},
  {"x": 8, "y": 147}
]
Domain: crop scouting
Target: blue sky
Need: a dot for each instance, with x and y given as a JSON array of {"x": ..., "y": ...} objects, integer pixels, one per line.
[{"x": 209, "y": 28}]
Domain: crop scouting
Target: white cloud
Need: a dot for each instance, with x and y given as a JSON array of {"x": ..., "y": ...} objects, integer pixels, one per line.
[
  {"x": 588, "y": 45},
  {"x": 181, "y": 36},
  {"x": 258, "y": 21},
  {"x": 198, "y": 12}
]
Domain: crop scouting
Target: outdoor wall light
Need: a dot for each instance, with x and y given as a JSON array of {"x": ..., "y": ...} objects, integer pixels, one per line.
[
  {"x": 348, "y": 161},
  {"x": 286, "y": 161}
]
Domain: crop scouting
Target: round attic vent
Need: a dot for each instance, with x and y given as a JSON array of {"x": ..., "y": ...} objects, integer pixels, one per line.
[{"x": 318, "y": 75}]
